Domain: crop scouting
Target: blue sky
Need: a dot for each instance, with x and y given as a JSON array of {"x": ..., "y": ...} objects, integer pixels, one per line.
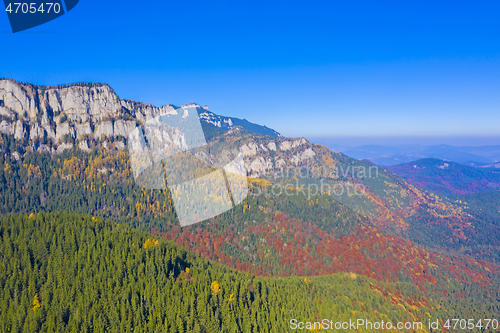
[{"x": 315, "y": 69}]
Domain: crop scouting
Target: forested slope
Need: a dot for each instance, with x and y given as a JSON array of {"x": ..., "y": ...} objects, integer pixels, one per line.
[{"x": 76, "y": 273}]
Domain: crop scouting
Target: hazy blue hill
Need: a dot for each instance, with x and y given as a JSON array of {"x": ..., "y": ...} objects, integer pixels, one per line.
[
  {"x": 495, "y": 165},
  {"x": 392, "y": 155},
  {"x": 446, "y": 177}
]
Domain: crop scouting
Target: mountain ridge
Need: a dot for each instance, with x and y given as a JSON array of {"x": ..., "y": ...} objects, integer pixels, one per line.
[{"x": 55, "y": 118}]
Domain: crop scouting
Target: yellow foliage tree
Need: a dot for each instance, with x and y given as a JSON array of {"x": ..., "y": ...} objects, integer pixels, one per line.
[
  {"x": 36, "y": 303},
  {"x": 149, "y": 243},
  {"x": 215, "y": 287}
]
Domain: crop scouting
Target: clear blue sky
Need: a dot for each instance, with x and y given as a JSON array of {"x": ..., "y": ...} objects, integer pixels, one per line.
[{"x": 309, "y": 68}]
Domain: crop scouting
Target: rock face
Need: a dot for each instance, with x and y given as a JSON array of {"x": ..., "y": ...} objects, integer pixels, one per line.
[
  {"x": 272, "y": 156},
  {"x": 58, "y": 118},
  {"x": 72, "y": 113}
]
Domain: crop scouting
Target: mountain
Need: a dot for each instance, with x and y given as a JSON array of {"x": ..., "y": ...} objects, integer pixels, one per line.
[
  {"x": 88, "y": 123},
  {"x": 398, "y": 154},
  {"x": 444, "y": 177},
  {"x": 56, "y": 118},
  {"x": 311, "y": 216}
]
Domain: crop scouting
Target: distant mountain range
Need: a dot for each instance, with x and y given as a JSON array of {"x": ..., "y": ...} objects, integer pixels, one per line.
[
  {"x": 444, "y": 177},
  {"x": 392, "y": 155}
]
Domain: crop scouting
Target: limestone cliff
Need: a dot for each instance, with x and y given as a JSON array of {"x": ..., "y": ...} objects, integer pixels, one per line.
[
  {"x": 85, "y": 115},
  {"x": 82, "y": 113}
]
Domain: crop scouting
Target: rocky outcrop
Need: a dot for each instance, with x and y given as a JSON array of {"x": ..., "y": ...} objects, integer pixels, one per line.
[
  {"x": 259, "y": 166},
  {"x": 264, "y": 158},
  {"x": 306, "y": 154},
  {"x": 5, "y": 127},
  {"x": 287, "y": 145},
  {"x": 64, "y": 129},
  {"x": 123, "y": 128},
  {"x": 83, "y": 145},
  {"x": 63, "y": 147},
  {"x": 19, "y": 130},
  {"x": 104, "y": 128},
  {"x": 36, "y": 131},
  {"x": 83, "y": 130},
  {"x": 249, "y": 149}
]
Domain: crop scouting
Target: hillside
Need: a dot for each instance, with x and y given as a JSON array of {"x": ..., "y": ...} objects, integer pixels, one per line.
[
  {"x": 448, "y": 178},
  {"x": 101, "y": 182},
  {"x": 72, "y": 273}
]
